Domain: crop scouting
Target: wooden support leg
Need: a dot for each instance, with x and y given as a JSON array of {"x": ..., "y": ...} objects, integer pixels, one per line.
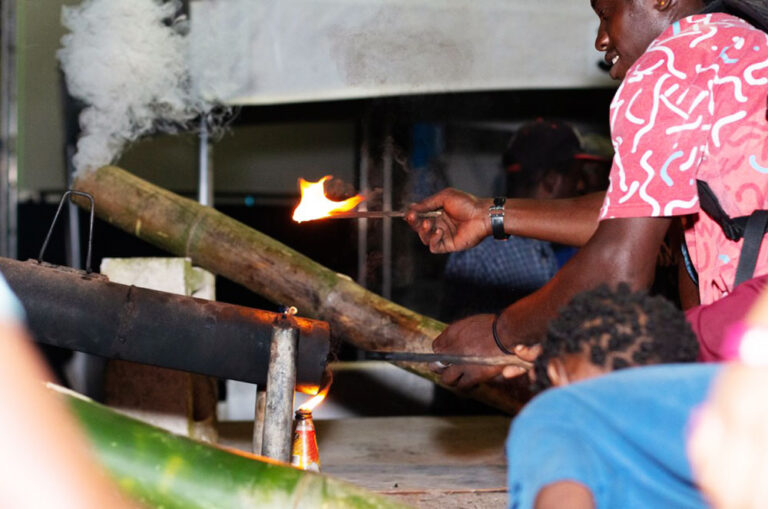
[
  {"x": 281, "y": 384},
  {"x": 258, "y": 421}
]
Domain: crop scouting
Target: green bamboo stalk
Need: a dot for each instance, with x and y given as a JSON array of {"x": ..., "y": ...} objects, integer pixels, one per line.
[
  {"x": 231, "y": 249},
  {"x": 167, "y": 471}
]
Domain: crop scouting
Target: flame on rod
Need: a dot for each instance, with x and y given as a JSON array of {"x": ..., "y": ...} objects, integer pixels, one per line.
[{"x": 315, "y": 205}]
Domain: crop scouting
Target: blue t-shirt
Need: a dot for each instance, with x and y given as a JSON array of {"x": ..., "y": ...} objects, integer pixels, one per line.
[{"x": 622, "y": 435}]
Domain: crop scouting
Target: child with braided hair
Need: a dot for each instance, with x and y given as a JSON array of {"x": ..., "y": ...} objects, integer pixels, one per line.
[
  {"x": 615, "y": 438},
  {"x": 607, "y": 329}
]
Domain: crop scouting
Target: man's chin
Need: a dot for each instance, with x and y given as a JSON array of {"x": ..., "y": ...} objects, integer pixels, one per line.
[{"x": 617, "y": 73}]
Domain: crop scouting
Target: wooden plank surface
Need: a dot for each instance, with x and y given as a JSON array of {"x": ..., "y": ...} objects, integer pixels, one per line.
[{"x": 426, "y": 461}]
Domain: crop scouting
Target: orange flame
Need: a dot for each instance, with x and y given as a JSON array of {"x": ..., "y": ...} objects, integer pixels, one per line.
[
  {"x": 319, "y": 393},
  {"x": 315, "y": 205},
  {"x": 312, "y": 403}
]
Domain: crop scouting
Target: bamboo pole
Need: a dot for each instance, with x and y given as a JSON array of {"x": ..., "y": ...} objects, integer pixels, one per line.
[
  {"x": 160, "y": 469},
  {"x": 231, "y": 249}
]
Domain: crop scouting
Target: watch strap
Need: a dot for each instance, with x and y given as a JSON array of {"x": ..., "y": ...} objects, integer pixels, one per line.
[{"x": 496, "y": 214}]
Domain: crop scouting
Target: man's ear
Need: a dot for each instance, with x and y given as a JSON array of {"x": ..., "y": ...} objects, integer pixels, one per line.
[
  {"x": 556, "y": 373},
  {"x": 550, "y": 184}
]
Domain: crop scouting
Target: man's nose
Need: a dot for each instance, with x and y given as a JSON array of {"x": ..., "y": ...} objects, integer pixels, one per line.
[{"x": 602, "y": 40}]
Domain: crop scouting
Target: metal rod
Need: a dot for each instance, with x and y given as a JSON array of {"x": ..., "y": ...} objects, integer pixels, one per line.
[
  {"x": 500, "y": 360},
  {"x": 205, "y": 166},
  {"x": 378, "y": 214},
  {"x": 73, "y": 233},
  {"x": 89, "y": 252},
  {"x": 362, "y": 225},
  {"x": 386, "y": 230},
  {"x": 74, "y": 254},
  {"x": 281, "y": 384},
  {"x": 8, "y": 128}
]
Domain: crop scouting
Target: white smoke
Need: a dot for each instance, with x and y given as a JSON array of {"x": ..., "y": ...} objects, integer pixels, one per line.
[{"x": 127, "y": 60}]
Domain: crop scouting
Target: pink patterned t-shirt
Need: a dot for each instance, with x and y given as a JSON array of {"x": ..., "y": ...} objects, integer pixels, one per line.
[{"x": 693, "y": 106}]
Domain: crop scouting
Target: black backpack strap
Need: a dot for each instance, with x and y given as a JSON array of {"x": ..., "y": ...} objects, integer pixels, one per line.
[
  {"x": 733, "y": 228},
  {"x": 752, "y": 228},
  {"x": 753, "y": 238}
]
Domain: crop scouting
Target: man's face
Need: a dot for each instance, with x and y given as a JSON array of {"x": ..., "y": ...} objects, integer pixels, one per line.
[{"x": 627, "y": 27}]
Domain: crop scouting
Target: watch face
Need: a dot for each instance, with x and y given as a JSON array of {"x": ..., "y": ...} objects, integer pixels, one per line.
[{"x": 499, "y": 201}]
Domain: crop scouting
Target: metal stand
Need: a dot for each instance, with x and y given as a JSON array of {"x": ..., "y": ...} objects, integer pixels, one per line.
[
  {"x": 281, "y": 384},
  {"x": 64, "y": 197},
  {"x": 205, "y": 167},
  {"x": 8, "y": 130}
]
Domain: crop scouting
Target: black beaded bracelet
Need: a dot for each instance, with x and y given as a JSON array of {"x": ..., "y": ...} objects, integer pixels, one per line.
[{"x": 496, "y": 337}]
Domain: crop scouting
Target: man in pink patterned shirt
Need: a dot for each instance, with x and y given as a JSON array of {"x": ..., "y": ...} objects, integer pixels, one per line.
[{"x": 692, "y": 106}]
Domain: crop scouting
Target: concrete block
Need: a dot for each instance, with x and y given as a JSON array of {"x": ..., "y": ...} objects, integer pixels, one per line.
[{"x": 182, "y": 403}]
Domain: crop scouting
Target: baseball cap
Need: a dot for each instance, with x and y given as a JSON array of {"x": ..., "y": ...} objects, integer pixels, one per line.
[{"x": 544, "y": 144}]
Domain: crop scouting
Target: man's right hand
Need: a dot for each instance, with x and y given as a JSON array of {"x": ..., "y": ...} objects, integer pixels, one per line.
[
  {"x": 463, "y": 223},
  {"x": 473, "y": 336},
  {"x": 469, "y": 336},
  {"x": 527, "y": 353}
]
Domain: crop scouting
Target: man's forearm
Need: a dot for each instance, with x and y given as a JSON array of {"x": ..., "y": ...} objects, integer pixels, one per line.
[
  {"x": 569, "y": 221},
  {"x": 622, "y": 250}
]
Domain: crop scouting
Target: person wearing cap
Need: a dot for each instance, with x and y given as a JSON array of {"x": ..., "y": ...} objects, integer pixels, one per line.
[
  {"x": 689, "y": 110},
  {"x": 542, "y": 161}
]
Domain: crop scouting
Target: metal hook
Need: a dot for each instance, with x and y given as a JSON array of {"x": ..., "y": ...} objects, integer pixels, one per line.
[{"x": 90, "y": 230}]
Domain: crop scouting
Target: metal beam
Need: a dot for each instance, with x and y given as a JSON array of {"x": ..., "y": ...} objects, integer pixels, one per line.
[{"x": 85, "y": 312}]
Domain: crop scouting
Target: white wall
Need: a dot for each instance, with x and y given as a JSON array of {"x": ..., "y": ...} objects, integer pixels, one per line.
[
  {"x": 250, "y": 159},
  {"x": 257, "y": 159},
  {"x": 250, "y": 52},
  {"x": 41, "y": 129},
  {"x": 310, "y": 49}
]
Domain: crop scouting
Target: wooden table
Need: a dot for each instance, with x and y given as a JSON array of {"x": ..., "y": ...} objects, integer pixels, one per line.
[{"x": 429, "y": 462}]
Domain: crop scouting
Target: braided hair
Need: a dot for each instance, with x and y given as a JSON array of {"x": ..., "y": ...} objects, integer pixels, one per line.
[{"x": 617, "y": 329}]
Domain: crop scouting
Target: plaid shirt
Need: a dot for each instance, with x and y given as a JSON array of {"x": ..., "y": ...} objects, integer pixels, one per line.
[{"x": 493, "y": 274}]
